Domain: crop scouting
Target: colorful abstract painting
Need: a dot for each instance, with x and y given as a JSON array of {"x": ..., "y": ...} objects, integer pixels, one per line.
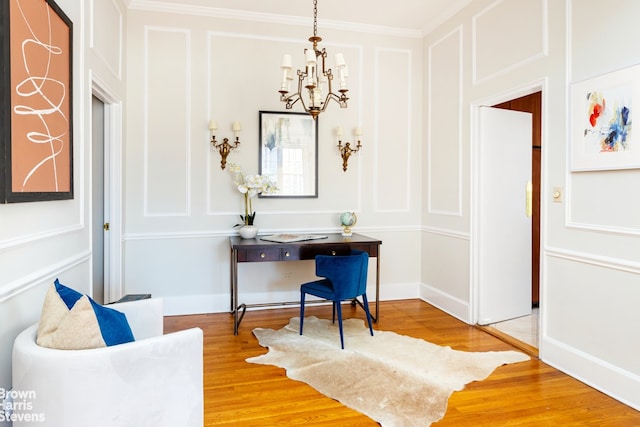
[
  {"x": 603, "y": 114},
  {"x": 608, "y": 126}
]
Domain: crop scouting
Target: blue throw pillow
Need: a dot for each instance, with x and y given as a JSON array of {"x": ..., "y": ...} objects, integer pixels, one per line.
[{"x": 73, "y": 321}]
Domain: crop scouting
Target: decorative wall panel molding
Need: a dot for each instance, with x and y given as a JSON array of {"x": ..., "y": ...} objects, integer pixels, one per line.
[
  {"x": 393, "y": 144},
  {"x": 447, "y": 232},
  {"x": 444, "y": 121},
  {"x": 507, "y": 35},
  {"x": 167, "y": 121},
  {"x": 36, "y": 278},
  {"x": 593, "y": 260},
  {"x": 106, "y": 34}
]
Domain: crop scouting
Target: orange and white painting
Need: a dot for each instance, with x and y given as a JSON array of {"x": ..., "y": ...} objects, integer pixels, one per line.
[{"x": 41, "y": 106}]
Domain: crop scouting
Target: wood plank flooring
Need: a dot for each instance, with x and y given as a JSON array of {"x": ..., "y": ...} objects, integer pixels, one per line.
[{"x": 237, "y": 393}]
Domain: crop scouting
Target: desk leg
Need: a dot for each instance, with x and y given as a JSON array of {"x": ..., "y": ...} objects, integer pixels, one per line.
[
  {"x": 234, "y": 293},
  {"x": 232, "y": 278},
  {"x": 377, "y": 287}
]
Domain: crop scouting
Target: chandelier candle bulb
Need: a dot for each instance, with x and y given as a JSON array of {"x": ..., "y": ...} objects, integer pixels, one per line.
[
  {"x": 286, "y": 61},
  {"x": 339, "y": 58},
  {"x": 358, "y": 132},
  {"x": 213, "y": 125},
  {"x": 343, "y": 77},
  {"x": 311, "y": 57},
  {"x": 339, "y": 131}
]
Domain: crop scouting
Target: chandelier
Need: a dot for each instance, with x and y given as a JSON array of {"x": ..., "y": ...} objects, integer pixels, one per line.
[{"x": 315, "y": 80}]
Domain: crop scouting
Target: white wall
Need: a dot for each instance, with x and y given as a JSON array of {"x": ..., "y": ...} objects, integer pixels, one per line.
[
  {"x": 497, "y": 50},
  {"x": 40, "y": 241},
  {"x": 187, "y": 66}
]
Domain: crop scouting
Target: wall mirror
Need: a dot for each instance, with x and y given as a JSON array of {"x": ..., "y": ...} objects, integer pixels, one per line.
[{"x": 289, "y": 153}]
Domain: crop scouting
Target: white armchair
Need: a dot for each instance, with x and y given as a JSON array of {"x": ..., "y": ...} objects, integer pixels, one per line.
[{"x": 153, "y": 381}]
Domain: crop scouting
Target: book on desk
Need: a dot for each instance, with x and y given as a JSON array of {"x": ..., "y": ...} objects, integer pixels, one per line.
[{"x": 290, "y": 238}]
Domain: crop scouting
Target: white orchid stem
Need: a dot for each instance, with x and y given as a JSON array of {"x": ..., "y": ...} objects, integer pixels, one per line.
[{"x": 247, "y": 208}]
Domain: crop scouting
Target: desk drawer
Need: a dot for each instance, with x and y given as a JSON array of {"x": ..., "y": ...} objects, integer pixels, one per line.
[
  {"x": 259, "y": 255},
  {"x": 310, "y": 252},
  {"x": 371, "y": 249}
]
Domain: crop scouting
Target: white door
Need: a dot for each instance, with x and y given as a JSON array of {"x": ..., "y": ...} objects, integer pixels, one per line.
[{"x": 504, "y": 222}]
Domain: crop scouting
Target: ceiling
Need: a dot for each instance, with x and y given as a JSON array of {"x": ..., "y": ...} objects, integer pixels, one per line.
[{"x": 413, "y": 15}]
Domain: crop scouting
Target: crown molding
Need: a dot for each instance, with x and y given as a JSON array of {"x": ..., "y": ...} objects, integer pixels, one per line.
[{"x": 241, "y": 15}]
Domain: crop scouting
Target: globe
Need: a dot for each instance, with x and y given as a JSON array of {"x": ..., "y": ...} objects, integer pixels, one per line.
[{"x": 348, "y": 220}]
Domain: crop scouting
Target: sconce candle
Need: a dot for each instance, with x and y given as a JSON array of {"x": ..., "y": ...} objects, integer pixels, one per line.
[
  {"x": 224, "y": 148},
  {"x": 345, "y": 150}
]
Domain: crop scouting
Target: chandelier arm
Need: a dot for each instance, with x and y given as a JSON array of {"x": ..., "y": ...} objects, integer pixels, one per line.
[
  {"x": 304, "y": 104},
  {"x": 330, "y": 96},
  {"x": 323, "y": 55},
  {"x": 329, "y": 75},
  {"x": 291, "y": 100}
]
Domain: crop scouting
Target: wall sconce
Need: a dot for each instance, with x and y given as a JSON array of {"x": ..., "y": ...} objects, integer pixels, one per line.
[
  {"x": 345, "y": 150},
  {"x": 224, "y": 148}
]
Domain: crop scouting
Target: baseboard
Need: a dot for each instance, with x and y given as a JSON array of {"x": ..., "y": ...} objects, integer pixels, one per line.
[
  {"x": 195, "y": 304},
  {"x": 447, "y": 303},
  {"x": 620, "y": 384},
  {"x": 220, "y": 303}
]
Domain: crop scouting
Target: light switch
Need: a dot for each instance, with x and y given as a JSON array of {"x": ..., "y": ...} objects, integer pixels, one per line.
[{"x": 557, "y": 194}]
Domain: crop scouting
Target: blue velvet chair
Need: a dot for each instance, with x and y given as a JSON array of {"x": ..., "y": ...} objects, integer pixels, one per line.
[{"x": 344, "y": 277}]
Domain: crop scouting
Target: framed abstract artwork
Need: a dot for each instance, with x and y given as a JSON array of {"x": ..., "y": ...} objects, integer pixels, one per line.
[
  {"x": 36, "y": 114},
  {"x": 603, "y": 112}
]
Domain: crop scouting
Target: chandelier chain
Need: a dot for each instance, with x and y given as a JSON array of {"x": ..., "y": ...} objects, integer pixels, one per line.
[{"x": 315, "y": 18}]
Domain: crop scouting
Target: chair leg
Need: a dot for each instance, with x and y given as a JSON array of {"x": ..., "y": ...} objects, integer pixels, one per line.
[
  {"x": 302, "y": 296},
  {"x": 339, "y": 308},
  {"x": 333, "y": 319},
  {"x": 366, "y": 310}
]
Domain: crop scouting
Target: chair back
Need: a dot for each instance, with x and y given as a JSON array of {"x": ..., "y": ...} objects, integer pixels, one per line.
[{"x": 347, "y": 273}]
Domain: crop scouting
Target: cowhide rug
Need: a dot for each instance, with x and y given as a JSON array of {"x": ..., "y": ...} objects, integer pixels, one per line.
[{"x": 393, "y": 379}]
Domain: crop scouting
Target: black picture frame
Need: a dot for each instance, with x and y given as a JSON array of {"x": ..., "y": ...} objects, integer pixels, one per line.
[
  {"x": 286, "y": 139},
  {"x": 36, "y": 134}
]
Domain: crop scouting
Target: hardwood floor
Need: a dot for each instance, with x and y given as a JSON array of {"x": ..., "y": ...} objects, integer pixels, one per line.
[{"x": 237, "y": 393}]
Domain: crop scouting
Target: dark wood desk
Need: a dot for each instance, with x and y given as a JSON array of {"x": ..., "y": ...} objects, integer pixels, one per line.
[{"x": 256, "y": 250}]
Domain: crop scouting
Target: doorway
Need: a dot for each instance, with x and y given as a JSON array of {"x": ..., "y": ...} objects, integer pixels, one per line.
[
  {"x": 106, "y": 176},
  {"x": 525, "y": 329},
  {"x": 532, "y": 104},
  {"x": 98, "y": 222}
]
